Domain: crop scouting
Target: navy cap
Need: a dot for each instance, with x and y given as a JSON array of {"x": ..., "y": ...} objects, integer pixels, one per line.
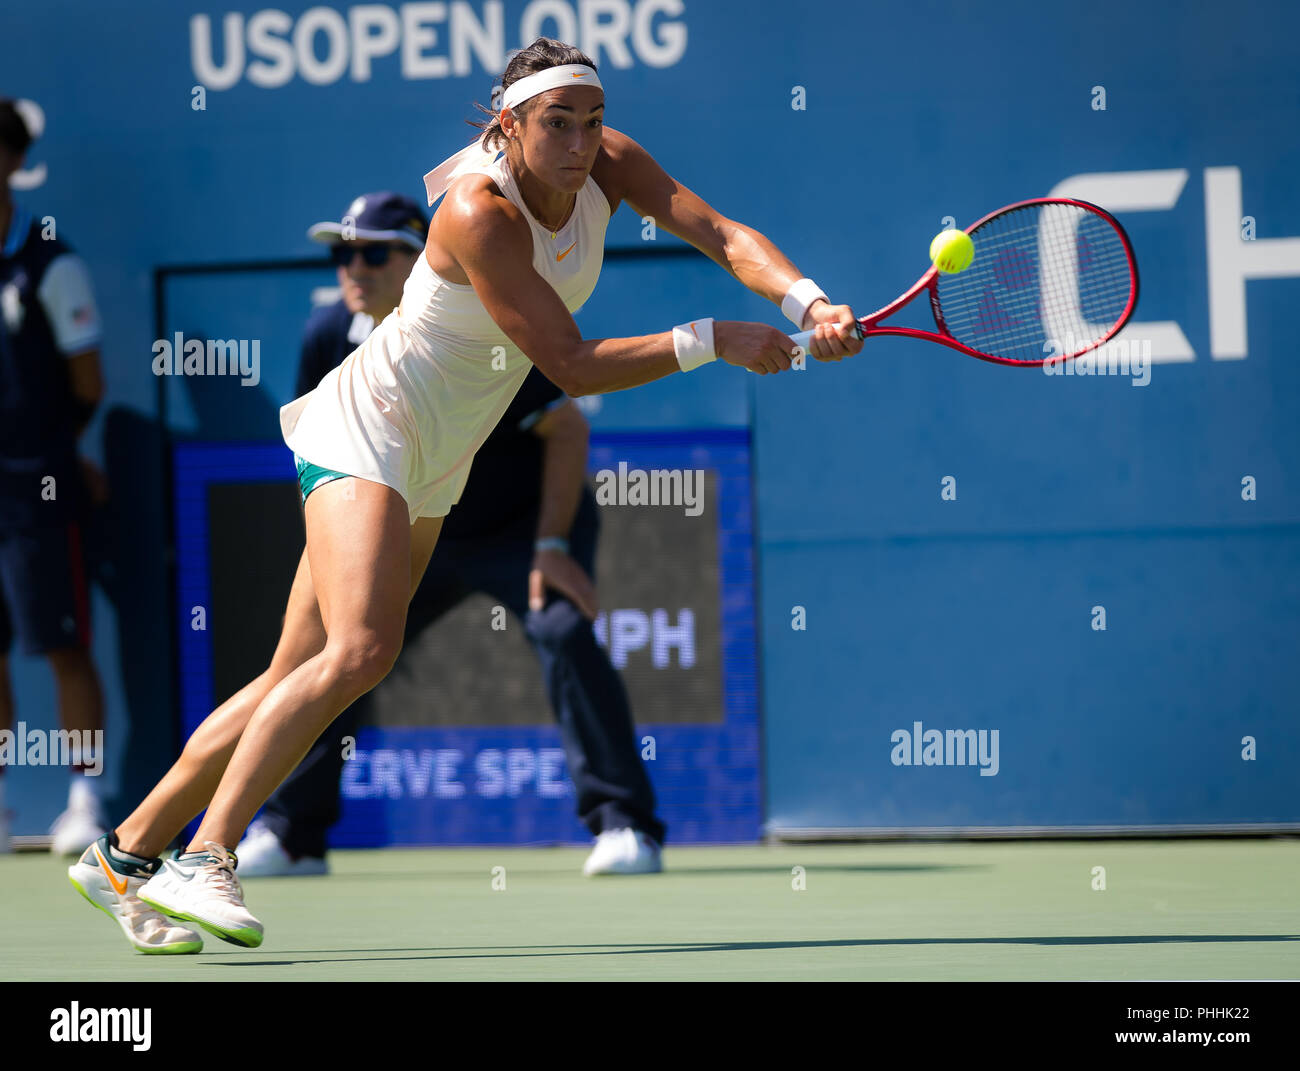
[{"x": 379, "y": 217}]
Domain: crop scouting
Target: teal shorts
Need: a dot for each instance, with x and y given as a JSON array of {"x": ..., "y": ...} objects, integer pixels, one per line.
[{"x": 312, "y": 476}]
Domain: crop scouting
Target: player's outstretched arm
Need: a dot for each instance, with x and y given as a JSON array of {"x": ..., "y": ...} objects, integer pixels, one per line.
[
  {"x": 491, "y": 241},
  {"x": 748, "y": 255}
]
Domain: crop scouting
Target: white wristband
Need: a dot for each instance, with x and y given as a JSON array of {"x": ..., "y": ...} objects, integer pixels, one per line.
[
  {"x": 799, "y": 298},
  {"x": 693, "y": 343}
]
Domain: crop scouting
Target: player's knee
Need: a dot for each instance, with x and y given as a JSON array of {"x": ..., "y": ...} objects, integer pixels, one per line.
[{"x": 362, "y": 659}]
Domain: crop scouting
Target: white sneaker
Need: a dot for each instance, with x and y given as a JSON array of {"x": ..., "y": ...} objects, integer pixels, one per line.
[
  {"x": 201, "y": 887},
  {"x": 112, "y": 885},
  {"x": 81, "y": 824},
  {"x": 261, "y": 855},
  {"x": 624, "y": 851}
]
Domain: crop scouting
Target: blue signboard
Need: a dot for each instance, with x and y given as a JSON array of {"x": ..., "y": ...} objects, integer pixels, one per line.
[
  {"x": 687, "y": 654},
  {"x": 1105, "y": 569}
]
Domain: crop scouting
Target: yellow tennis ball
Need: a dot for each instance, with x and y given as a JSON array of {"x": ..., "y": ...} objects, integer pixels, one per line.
[{"x": 952, "y": 251}]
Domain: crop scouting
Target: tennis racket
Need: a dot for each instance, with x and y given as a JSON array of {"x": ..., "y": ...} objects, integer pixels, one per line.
[{"x": 1051, "y": 279}]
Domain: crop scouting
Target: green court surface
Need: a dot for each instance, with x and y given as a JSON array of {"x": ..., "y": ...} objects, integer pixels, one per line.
[{"x": 1174, "y": 909}]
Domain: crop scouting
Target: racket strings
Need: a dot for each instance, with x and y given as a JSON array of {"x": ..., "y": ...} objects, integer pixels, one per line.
[{"x": 1047, "y": 279}]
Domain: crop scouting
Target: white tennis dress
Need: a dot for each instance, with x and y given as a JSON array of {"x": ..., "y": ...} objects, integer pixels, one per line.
[{"x": 412, "y": 404}]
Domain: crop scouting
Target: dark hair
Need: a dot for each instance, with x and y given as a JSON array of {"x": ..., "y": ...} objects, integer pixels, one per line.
[
  {"x": 541, "y": 55},
  {"x": 14, "y": 134}
]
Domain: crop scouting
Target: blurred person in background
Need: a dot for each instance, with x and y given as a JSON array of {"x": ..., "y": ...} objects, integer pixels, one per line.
[
  {"x": 524, "y": 532},
  {"x": 50, "y": 385}
]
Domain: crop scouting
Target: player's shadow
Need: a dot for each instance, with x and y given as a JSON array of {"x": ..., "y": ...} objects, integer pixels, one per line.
[{"x": 396, "y": 955}]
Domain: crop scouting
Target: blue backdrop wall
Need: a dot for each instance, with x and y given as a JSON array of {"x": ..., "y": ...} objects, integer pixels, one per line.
[{"x": 178, "y": 133}]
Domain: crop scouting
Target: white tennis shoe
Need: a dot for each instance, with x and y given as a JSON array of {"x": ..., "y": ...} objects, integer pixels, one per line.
[
  {"x": 112, "y": 884},
  {"x": 262, "y": 855},
  {"x": 624, "y": 851},
  {"x": 201, "y": 887}
]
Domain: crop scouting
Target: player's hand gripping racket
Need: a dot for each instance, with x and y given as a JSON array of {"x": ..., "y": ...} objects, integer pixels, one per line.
[{"x": 1050, "y": 279}]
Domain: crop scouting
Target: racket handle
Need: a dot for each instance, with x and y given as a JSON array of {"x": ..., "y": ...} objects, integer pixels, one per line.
[{"x": 804, "y": 337}]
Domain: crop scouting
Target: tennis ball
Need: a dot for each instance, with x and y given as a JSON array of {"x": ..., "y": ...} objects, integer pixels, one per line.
[{"x": 952, "y": 251}]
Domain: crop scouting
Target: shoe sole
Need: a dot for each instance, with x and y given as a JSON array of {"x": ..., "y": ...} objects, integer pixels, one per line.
[
  {"x": 244, "y": 937},
  {"x": 181, "y": 948}
]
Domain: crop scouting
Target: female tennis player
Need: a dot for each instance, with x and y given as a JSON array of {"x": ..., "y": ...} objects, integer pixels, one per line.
[{"x": 384, "y": 445}]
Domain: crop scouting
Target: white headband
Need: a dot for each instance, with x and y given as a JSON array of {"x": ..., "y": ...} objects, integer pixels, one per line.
[
  {"x": 551, "y": 78},
  {"x": 477, "y": 154}
]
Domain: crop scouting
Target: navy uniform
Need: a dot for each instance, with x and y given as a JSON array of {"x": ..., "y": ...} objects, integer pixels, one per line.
[{"x": 47, "y": 314}]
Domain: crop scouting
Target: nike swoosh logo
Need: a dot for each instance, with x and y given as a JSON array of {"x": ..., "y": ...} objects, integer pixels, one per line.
[
  {"x": 112, "y": 878},
  {"x": 560, "y": 256},
  {"x": 693, "y": 331},
  {"x": 183, "y": 873},
  {"x": 580, "y": 74}
]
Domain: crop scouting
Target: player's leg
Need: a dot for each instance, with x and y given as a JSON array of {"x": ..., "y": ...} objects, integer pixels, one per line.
[
  {"x": 362, "y": 556},
  {"x": 187, "y": 788},
  {"x": 112, "y": 871},
  {"x": 362, "y": 559},
  {"x": 290, "y": 836}
]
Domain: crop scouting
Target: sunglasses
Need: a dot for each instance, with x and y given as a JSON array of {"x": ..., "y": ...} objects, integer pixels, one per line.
[{"x": 341, "y": 253}]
